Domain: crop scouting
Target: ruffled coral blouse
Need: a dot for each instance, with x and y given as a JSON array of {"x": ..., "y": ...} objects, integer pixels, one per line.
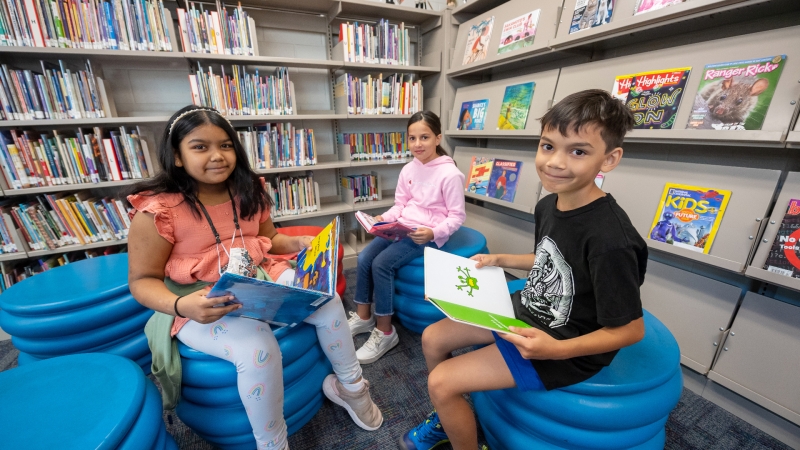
[{"x": 194, "y": 252}]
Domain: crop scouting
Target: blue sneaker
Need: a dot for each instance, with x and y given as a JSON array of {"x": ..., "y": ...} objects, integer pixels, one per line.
[{"x": 426, "y": 435}]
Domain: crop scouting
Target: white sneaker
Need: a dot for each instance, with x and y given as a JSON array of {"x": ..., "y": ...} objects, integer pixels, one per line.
[
  {"x": 359, "y": 325},
  {"x": 358, "y": 404},
  {"x": 376, "y": 346}
]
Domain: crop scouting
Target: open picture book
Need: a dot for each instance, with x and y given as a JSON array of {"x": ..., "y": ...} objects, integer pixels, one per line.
[
  {"x": 314, "y": 284},
  {"x": 468, "y": 295},
  {"x": 392, "y": 231}
]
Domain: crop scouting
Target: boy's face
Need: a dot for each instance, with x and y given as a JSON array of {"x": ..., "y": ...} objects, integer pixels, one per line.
[{"x": 569, "y": 164}]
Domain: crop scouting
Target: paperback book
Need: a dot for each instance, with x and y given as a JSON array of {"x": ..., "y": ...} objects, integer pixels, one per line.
[
  {"x": 519, "y": 32},
  {"x": 468, "y": 295},
  {"x": 472, "y": 115},
  {"x": 391, "y": 231},
  {"x": 736, "y": 95},
  {"x": 480, "y": 170},
  {"x": 689, "y": 216},
  {"x": 783, "y": 258},
  {"x": 590, "y": 14},
  {"x": 478, "y": 41},
  {"x": 653, "y": 97},
  {"x": 515, "y": 106},
  {"x": 503, "y": 180},
  {"x": 313, "y": 285},
  {"x": 643, "y": 6}
]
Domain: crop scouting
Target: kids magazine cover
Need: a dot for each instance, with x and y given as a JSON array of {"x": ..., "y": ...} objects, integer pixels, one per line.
[
  {"x": 478, "y": 41},
  {"x": 515, "y": 106},
  {"x": 689, "y": 216},
  {"x": 480, "y": 170},
  {"x": 472, "y": 115},
  {"x": 519, "y": 32},
  {"x": 504, "y": 179},
  {"x": 783, "y": 258},
  {"x": 736, "y": 95},
  {"x": 590, "y": 14},
  {"x": 653, "y": 97},
  {"x": 643, "y": 6}
]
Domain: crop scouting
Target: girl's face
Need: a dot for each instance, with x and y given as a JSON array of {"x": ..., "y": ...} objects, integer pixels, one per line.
[
  {"x": 422, "y": 142},
  {"x": 207, "y": 154}
]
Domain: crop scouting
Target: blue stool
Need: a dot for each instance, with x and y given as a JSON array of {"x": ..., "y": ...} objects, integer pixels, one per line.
[
  {"x": 92, "y": 400},
  {"x": 625, "y": 405},
  {"x": 410, "y": 306},
  {"x": 83, "y": 307},
  {"x": 210, "y": 402}
]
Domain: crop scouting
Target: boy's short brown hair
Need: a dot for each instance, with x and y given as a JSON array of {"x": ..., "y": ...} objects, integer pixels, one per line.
[{"x": 591, "y": 107}]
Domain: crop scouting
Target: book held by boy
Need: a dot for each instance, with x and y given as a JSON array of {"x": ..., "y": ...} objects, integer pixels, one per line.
[
  {"x": 314, "y": 285},
  {"x": 477, "y": 297},
  {"x": 391, "y": 231},
  {"x": 689, "y": 216}
]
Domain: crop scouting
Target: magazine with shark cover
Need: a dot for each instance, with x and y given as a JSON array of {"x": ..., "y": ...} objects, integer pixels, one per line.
[{"x": 279, "y": 305}]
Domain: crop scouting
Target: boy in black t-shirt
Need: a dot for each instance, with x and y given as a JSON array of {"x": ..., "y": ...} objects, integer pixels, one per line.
[{"x": 582, "y": 292}]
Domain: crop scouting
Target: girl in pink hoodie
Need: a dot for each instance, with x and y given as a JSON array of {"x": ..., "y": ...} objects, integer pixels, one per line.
[{"x": 430, "y": 199}]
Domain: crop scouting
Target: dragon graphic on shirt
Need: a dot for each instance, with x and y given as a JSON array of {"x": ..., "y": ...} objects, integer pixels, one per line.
[{"x": 550, "y": 286}]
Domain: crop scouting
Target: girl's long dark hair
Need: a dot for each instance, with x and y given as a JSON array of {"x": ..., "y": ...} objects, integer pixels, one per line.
[
  {"x": 432, "y": 121},
  {"x": 244, "y": 184}
]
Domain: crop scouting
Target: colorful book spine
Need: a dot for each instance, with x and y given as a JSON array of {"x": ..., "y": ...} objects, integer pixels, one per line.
[
  {"x": 374, "y": 95},
  {"x": 241, "y": 93}
]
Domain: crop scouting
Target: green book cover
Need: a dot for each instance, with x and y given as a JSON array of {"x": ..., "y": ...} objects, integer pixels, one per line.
[
  {"x": 516, "y": 103},
  {"x": 477, "y": 317}
]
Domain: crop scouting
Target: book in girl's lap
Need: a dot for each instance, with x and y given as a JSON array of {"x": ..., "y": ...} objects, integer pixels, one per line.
[
  {"x": 205, "y": 212},
  {"x": 430, "y": 199}
]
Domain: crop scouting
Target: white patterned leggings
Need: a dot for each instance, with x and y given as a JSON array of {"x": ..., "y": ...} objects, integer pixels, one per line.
[{"x": 253, "y": 349}]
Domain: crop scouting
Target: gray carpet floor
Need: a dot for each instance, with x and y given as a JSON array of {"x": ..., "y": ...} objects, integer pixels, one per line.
[{"x": 398, "y": 383}]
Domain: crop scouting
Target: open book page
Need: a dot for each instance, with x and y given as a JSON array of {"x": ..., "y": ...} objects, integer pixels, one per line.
[{"x": 392, "y": 231}]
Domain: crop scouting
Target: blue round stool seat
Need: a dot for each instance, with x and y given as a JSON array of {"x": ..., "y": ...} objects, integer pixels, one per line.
[
  {"x": 410, "y": 306},
  {"x": 210, "y": 402},
  {"x": 625, "y": 405},
  {"x": 91, "y": 400},
  {"x": 82, "y": 307}
]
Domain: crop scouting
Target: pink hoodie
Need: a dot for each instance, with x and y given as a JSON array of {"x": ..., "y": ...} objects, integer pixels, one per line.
[{"x": 430, "y": 195}]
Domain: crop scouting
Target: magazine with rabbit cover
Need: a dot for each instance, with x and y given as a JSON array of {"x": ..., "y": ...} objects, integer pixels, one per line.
[
  {"x": 736, "y": 95},
  {"x": 689, "y": 216}
]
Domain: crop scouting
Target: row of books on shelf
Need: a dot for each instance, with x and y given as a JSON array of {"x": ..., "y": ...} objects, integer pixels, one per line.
[
  {"x": 13, "y": 273},
  {"x": 364, "y": 187},
  {"x": 493, "y": 177},
  {"x": 382, "y": 43},
  {"x": 375, "y": 146},
  {"x": 53, "y": 221},
  {"x": 218, "y": 32},
  {"x": 294, "y": 195},
  {"x": 238, "y": 93},
  {"x": 279, "y": 145},
  {"x": 35, "y": 159},
  {"x": 88, "y": 24},
  {"x": 393, "y": 94},
  {"x": 54, "y": 93}
]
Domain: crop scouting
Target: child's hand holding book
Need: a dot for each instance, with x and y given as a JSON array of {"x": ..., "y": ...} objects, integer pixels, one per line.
[
  {"x": 486, "y": 260},
  {"x": 533, "y": 343}
]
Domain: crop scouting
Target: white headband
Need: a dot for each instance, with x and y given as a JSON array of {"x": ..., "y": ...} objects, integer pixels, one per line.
[{"x": 177, "y": 119}]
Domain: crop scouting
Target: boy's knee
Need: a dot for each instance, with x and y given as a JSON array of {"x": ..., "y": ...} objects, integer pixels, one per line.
[
  {"x": 429, "y": 339},
  {"x": 438, "y": 387}
]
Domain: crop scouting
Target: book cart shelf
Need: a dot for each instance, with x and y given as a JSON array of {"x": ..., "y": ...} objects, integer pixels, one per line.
[
  {"x": 733, "y": 319},
  {"x": 145, "y": 88}
]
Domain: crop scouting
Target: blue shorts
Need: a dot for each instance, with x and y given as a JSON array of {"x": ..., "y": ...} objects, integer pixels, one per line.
[{"x": 522, "y": 370}]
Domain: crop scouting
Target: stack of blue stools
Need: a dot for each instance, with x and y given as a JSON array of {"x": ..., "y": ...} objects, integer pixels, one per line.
[
  {"x": 81, "y": 307},
  {"x": 210, "y": 402},
  {"x": 410, "y": 306},
  {"x": 92, "y": 400},
  {"x": 626, "y": 405}
]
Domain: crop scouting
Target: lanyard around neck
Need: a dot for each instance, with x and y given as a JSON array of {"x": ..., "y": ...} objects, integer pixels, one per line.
[{"x": 211, "y": 223}]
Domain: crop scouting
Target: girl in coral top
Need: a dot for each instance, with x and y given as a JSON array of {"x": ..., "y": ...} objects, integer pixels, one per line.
[{"x": 207, "y": 208}]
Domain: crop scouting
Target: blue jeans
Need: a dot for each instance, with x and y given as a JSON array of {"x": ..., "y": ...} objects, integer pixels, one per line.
[{"x": 377, "y": 264}]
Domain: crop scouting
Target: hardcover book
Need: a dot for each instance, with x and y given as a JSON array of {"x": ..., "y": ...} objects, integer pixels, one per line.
[
  {"x": 653, "y": 97},
  {"x": 477, "y": 297},
  {"x": 391, "y": 231},
  {"x": 313, "y": 285},
  {"x": 689, "y": 216},
  {"x": 480, "y": 170},
  {"x": 472, "y": 115},
  {"x": 643, "y": 6},
  {"x": 515, "y": 106},
  {"x": 503, "y": 180},
  {"x": 783, "y": 257},
  {"x": 519, "y": 32},
  {"x": 478, "y": 41},
  {"x": 590, "y": 14},
  {"x": 736, "y": 95}
]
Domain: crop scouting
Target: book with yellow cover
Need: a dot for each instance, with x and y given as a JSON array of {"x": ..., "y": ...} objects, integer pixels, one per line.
[{"x": 689, "y": 216}]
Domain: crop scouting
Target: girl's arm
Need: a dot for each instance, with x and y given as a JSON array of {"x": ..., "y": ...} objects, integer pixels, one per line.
[
  {"x": 148, "y": 253},
  {"x": 281, "y": 243},
  {"x": 401, "y": 196},
  {"x": 453, "y": 194}
]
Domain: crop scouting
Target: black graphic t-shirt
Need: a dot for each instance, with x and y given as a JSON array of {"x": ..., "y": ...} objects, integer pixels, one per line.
[{"x": 590, "y": 263}]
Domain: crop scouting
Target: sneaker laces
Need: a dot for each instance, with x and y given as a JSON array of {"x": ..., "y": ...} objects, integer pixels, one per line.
[
  {"x": 423, "y": 429},
  {"x": 353, "y": 316},
  {"x": 375, "y": 339}
]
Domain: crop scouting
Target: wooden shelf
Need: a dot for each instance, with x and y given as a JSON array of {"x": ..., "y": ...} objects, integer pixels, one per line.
[
  {"x": 83, "y": 122},
  {"x": 13, "y": 256},
  {"x": 773, "y": 278},
  {"x": 372, "y": 9},
  {"x": 319, "y": 166},
  {"x": 388, "y": 68},
  {"x": 74, "y": 248},
  {"x": 793, "y": 139},
  {"x": 508, "y": 134},
  {"x": 386, "y": 202},
  {"x": 477, "y": 6},
  {"x": 285, "y": 117},
  {"x": 503, "y": 203},
  {"x": 383, "y": 162},
  {"x": 82, "y": 53},
  {"x": 271, "y": 61},
  {"x": 326, "y": 209},
  {"x": 68, "y": 187},
  {"x": 378, "y": 116}
]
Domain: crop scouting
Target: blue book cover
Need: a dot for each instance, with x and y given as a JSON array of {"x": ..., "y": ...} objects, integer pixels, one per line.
[
  {"x": 280, "y": 305},
  {"x": 503, "y": 180},
  {"x": 472, "y": 115}
]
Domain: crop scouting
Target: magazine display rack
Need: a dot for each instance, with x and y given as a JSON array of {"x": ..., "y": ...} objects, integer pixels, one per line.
[
  {"x": 494, "y": 91},
  {"x": 793, "y": 139}
]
